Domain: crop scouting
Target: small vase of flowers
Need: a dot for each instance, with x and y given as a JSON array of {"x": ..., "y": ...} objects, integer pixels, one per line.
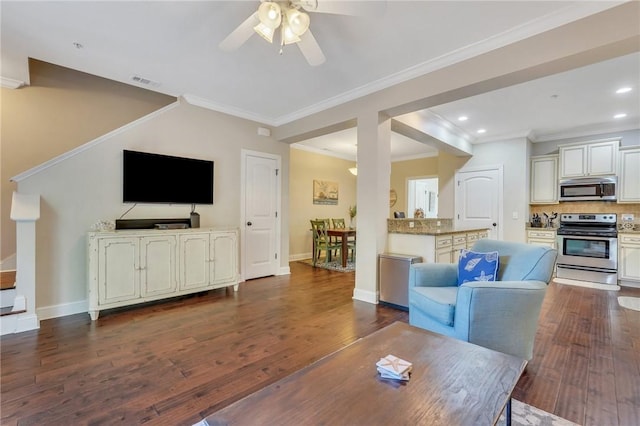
[{"x": 352, "y": 214}]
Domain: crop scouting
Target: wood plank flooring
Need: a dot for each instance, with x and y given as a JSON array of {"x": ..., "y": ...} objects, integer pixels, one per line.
[{"x": 175, "y": 362}]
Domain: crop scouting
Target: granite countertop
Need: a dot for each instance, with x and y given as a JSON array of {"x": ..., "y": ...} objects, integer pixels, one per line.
[
  {"x": 539, "y": 228},
  {"x": 443, "y": 230},
  {"x": 634, "y": 230}
]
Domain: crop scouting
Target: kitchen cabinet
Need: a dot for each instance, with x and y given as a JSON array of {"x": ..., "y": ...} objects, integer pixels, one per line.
[
  {"x": 629, "y": 259},
  {"x": 629, "y": 175},
  {"x": 591, "y": 159},
  {"x": 439, "y": 248},
  {"x": 543, "y": 237},
  {"x": 207, "y": 259},
  {"x": 544, "y": 179},
  {"x": 135, "y": 266}
]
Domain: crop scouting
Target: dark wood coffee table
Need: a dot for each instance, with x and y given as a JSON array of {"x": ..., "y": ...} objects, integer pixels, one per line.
[{"x": 452, "y": 383}]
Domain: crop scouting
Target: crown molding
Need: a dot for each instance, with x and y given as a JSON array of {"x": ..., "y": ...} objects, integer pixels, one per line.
[
  {"x": 548, "y": 22},
  {"x": 226, "y": 109},
  {"x": 10, "y": 83}
]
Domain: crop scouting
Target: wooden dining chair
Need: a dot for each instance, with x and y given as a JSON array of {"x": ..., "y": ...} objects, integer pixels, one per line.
[
  {"x": 339, "y": 223},
  {"x": 322, "y": 242}
]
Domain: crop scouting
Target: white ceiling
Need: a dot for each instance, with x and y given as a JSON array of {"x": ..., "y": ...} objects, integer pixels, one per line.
[{"x": 175, "y": 45}]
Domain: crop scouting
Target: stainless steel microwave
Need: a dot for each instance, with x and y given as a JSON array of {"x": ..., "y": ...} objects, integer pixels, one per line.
[{"x": 588, "y": 189}]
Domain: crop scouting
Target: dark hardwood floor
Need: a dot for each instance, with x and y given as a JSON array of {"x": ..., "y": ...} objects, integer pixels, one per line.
[{"x": 175, "y": 362}]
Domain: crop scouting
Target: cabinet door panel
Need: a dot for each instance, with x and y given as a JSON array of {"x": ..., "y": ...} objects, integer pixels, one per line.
[
  {"x": 224, "y": 258},
  {"x": 573, "y": 161},
  {"x": 544, "y": 180},
  {"x": 444, "y": 255},
  {"x": 629, "y": 262},
  {"x": 158, "y": 265},
  {"x": 194, "y": 261},
  {"x": 629, "y": 191},
  {"x": 118, "y": 271},
  {"x": 602, "y": 159}
]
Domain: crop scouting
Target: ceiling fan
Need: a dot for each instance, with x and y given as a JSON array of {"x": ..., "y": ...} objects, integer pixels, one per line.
[{"x": 290, "y": 19}]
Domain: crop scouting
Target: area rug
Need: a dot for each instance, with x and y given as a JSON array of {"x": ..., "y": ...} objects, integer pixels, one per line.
[
  {"x": 588, "y": 284},
  {"x": 629, "y": 302},
  {"x": 335, "y": 265},
  {"x": 526, "y": 415}
]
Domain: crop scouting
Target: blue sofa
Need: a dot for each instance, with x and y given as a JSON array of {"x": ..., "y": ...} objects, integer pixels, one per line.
[{"x": 501, "y": 315}]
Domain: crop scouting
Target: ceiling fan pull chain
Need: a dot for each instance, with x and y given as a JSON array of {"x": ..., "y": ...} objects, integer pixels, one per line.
[{"x": 281, "y": 38}]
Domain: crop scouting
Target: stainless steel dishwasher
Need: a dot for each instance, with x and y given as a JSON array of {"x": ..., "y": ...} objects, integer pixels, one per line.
[{"x": 393, "y": 278}]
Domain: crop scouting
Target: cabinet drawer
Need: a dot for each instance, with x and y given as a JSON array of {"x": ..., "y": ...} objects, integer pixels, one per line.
[
  {"x": 443, "y": 241},
  {"x": 629, "y": 238},
  {"x": 483, "y": 234},
  {"x": 472, "y": 238},
  {"x": 460, "y": 239},
  {"x": 542, "y": 234}
]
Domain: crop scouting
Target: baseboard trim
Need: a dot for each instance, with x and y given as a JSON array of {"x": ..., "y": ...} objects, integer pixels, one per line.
[
  {"x": 284, "y": 270},
  {"x": 18, "y": 323},
  {"x": 301, "y": 256},
  {"x": 365, "y": 296},
  {"x": 62, "y": 310}
]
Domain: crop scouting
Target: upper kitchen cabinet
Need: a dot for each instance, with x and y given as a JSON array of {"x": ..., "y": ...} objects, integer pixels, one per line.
[
  {"x": 629, "y": 175},
  {"x": 591, "y": 159},
  {"x": 544, "y": 179}
]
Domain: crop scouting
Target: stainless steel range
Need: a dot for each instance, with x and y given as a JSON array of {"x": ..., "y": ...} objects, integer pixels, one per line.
[{"x": 588, "y": 247}]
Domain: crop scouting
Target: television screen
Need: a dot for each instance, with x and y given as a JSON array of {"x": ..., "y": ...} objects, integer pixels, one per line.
[{"x": 156, "y": 178}]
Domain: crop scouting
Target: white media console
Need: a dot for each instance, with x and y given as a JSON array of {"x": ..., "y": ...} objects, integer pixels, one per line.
[{"x": 127, "y": 267}]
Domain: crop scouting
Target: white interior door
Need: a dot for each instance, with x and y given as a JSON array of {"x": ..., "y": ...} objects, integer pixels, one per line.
[
  {"x": 478, "y": 195},
  {"x": 260, "y": 214}
]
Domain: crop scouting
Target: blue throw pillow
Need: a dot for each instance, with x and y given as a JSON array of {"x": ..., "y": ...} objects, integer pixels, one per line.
[{"x": 474, "y": 266}]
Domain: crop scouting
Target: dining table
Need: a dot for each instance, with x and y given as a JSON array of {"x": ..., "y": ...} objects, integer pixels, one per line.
[{"x": 344, "y": 234}]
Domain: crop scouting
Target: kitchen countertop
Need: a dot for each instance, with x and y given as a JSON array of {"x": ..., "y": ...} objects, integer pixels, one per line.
[
  {"x": 538, "y": 228},
  {"x": 442, "y": 230}
]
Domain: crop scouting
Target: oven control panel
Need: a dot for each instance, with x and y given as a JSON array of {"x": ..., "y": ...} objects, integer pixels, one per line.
[{"x": 606, "y": 218}]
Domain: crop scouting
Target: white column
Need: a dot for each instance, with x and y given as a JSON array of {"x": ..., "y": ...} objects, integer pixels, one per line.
[
  {"x": 25, "y": 210},
  {"x": 374, "y": 170}
]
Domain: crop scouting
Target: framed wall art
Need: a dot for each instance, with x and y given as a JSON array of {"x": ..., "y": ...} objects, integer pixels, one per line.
[{"x": 325, "y": 192}]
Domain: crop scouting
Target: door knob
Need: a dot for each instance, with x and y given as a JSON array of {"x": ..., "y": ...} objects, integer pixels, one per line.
[
  {"x": 494, "y": 224},
  {"x": 249, "y": 223}
]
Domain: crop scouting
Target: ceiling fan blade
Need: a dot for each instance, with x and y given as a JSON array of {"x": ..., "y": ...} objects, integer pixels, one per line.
[
  {"x": 344, "y": 7},
  {"x": 241, "y": 34},
  {"x": 311, "y": 49}
]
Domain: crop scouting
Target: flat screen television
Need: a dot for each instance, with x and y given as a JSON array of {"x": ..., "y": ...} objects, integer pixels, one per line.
[{"x": 157, "y": 178}]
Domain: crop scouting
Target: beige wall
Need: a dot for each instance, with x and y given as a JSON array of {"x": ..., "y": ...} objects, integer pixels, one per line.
[
  {"x": 306, "y": 166},
  {"x": 59, "y": 111},
  {"x": 403, "y": 170},
  {"x": 87, "y": 187}
]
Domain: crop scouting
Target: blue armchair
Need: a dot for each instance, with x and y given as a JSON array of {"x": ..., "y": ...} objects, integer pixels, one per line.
[{"x": 501, "y": 315}]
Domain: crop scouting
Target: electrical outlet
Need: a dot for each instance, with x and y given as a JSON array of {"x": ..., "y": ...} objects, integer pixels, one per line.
[
  {"x": 514, "y": 215},
  {"x": 412, "y": 224},
  {"x": 627, "y": 217}
]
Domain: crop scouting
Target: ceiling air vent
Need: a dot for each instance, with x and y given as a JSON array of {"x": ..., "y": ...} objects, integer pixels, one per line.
[{"x": 144, "y": 81}]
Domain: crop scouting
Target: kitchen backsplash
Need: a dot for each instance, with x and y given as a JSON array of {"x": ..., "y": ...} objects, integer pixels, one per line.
[{"x": 586, "y": 207}]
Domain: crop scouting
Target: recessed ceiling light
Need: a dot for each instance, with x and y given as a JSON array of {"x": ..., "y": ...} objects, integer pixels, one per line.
[
  {"x": 623, "y": 90},
  {"x": 463, "y": 118},
  {"x": 622, "y": 115},
  {"x": 482, "y": 130}
]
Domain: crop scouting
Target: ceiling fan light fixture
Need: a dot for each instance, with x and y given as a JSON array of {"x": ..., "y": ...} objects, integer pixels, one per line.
[
  {"x": 264, "y": 31},
  {"x": 288, "y": 35},
  {"x": 297, "y": 21},
  {"x": 270, "y": 14}
]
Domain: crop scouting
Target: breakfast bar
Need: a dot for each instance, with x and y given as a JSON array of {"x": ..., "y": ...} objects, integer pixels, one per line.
[{"x": 435, "y": 240}]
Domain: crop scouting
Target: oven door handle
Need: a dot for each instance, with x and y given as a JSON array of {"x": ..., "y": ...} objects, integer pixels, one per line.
[{"x": 584, "y": 268}]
